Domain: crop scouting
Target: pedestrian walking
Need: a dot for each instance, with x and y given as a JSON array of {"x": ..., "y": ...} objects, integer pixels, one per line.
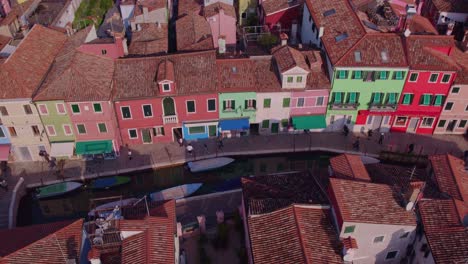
[
  {"x": 206, "y": 148},
  {"x": 181, "y": 141},
  {"x": 4, "y": 184},
  {"x": 356, "y": 145},
  {"x": 410, "y": 148},
  {"x": 220, "y": 143},
  {"x": 369, "y": 134},
  {"x": 345, "y": 130},
  {"x": 129, "y": 153},
  {"x": 381, "y": 138},
  {"x": 189, "y": 148}
]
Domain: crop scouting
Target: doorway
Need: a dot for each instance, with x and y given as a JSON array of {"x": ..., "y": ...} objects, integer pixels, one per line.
[
  {"x": 451, "y": 125},
  {"x": 25, "y": 154},
  {"x": 176, "y": 133},
  {"x": 274, "y": 128},
  {"x": 146, "y": 136},
  {"x": 254, "y": 129},
  {"x": 413, "y": 124}
]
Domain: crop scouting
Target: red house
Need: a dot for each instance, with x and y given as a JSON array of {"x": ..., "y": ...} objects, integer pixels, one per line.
[
  {"x": 430, "y": 76},
  {"x": 153, "y": 95},
  {"x": 281, "y": 14}
]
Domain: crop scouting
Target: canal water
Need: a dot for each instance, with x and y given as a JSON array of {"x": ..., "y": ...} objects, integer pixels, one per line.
[{"x": 77, "y": 204}]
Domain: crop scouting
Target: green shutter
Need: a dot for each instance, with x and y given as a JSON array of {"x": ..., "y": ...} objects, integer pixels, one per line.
[
  {"x": 97, "y": 107},
  {"x": 438, "y": 100},
  {"x": 342, "y": 74},
  {"x": 266, "y": 103},
  {"x": 426, "y": 99},
  {"x": 352, "y": 98},
  {"x": 102, "y": 127},
  {"x": 212, "y": 131},
  {"x": 407, "y": 99},
  {"x": 383, "y": 75},
  {"x": 286, "y": 102},
  {"x": 233, "y": 104},
  {"x": 357, "y": 75},
  {"x": 254, "y": 104},
  {"x": 399, "y": 75},
  {"x": 337, "y": 98},
  {"x": 391, "y": 98},
  {"x": 75, "y": 108},
  {"x": 376, "y": 98},
  {"x": 224, "y": 105},
  {"x": 284, "y": 122},
  {"x": 246, "y": 103},
  {"x": 197, "y": 130},
  {"x": 266, "y": 124}
]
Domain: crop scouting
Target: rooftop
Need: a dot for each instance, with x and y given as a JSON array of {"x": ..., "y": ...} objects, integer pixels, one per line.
[
  {"x": 236, "y": 75},
  {"x": 273, "y": 6},
  {"x": 450, "y": 176},
  {"x": 150, "y": 4},
  {"x": 430, "y": 52},
  {"x": 214, "y": 9},
  {"x": 357, "y": 203},
  {"x": 47, "y": 12},
  {"x": 349, "y": 166},
  {"x": 456, "y": 6},
  {"x": 420, "y": 25},
  {"x": 151, "y": 39},
  {"x": 461, "y": 58},
  {"x": 287, "y": 58},
  {"x": 193, "y": 33},
  {"x": 111, "y": 24},
  {"x": 265, "y": 74}
]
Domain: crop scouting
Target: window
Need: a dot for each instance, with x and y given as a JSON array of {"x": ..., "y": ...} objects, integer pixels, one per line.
[
  {"x": 300, "y": 102},
  {"x": 190, "y": 106},
  {"x": 392, "y": 98},
  {"x": 102, "y": 127},
  {"x": 250, "y": 104},
  {"x": 211, "y": 105},
  {"x": 286, "y": 102},
  {"x": 284, "y": 122},
  {"x": 244, "y": 14},
  {"x": 439, "y": 100},
  {"x": 383, "y": 75},
  {"x": 103, "y": 52},
  {"x": 441, "y": 123},
  {"x": 196, "y": 130},
  {"x": 448, "y": 106},
  {"x": 97, "y": 108},
  {"x": 407, "y": 99},
  {"x": 81, "y": 128},
  {"x": 265, "y": 123},
  {"x": 51, "y": 130},
  {"x": 466, "y": 108},
  {"x": 2, "y": 133},
  {"x": 391, "y": 255},
  {"x": 27, "y": 109},
  {"x": 377, "y": 98},
  {"x": 60, "y": 108},
  {"x": 12, "y": 131},
  {"x": 379, "y": 239},
  {"x": 425, "y": 99},
  {"x": 166, "y": 87},
  {"x": 147, "y": 111},
  {"x": 266, "y": 103},
  {"x": 342, "y": 74},
  {"x": 3, "y": 110},
  {"x": 43, "y": 109},
  {"x": 455, "y": 90},
  {"x": 290, "y": 79},
  {"x": 413, "y": 77},
  {"x": 433, "y": 77},
  {"x": 445, "y": 78},
  {"x": 337, "y": 98},
  {"x": 299, "y": 79},
  {"x": 401, "y": 121},
  {"x": 398, "y": 75},
  {"x": 126, "y": 112},
  {"x": 229, "y": 105},
  {"x": 35, "y": 130},
  {"x": 357, "y": 75},
  {"x": 158, "y": 131},
  {"x": 349, "y": 229},
  {"x": 75, "y": 108},
  {"x": 352, "y": 98},
  {"x": 319, "y": 101},
  {"x": 427, "y": 122},
  {"x": 67, "y": 130},
  {"x": 132, "y": 133},
  {"x": 462, "y": 124}
]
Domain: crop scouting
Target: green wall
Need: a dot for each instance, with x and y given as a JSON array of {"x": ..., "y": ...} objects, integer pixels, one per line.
[
  {"x": 240, "y": 110},
  {"x": 56, "y": 119}
]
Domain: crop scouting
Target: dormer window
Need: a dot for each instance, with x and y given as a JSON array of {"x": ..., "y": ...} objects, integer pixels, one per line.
[{"x": 166, "y": 87}]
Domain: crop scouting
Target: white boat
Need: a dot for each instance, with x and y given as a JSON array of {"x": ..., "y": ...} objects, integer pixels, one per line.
[
  {"x": 208, "y": 164},
  {"x": 176, "y": 192},
  {"x": 112, "y": 205},
  {"x": 369, "y": 160}
]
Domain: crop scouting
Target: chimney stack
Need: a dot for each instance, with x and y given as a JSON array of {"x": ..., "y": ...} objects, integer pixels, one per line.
[
  {"x": 284, "y": 39},
  {"x": 316, "y": 66},
  {"x": 221, "y": 45},
  {"x": 413, "y": 195}
]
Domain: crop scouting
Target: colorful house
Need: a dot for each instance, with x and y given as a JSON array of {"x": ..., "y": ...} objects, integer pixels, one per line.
[
  {"x": 21, "y": 75},
  {"x": 284, "y": 15},
  {"x": 245, "y": 9},
  {"x": 150, "y": 107},
  {"x": 427, "y": 84},
  {"x": 222, "y": 20}
]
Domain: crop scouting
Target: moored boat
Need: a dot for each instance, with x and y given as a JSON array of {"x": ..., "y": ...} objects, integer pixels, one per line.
[
  {"x": 369, "y": 160},
  {"x": 176, "y": 192},
  {"x": 208, "y": 164},
  {"x": 108, "y": 182},
  {"x": 57, "y": 189}
]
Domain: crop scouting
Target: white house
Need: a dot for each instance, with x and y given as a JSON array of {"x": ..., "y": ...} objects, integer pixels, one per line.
[{"x": 67, "y": 14}]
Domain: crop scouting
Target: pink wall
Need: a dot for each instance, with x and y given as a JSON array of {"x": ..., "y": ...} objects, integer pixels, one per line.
[
  {"x": 6, "y": 6},
  {"x": 113, "y": 50},
  {"x": 225, "y": 26},
  {"x": 91, "y": 119},
  {"x": 310, "y": 100},
  {"x": 201, "y": 107}
]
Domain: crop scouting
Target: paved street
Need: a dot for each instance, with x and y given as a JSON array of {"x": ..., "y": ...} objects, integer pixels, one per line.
[{"x": 161, "y": 155}]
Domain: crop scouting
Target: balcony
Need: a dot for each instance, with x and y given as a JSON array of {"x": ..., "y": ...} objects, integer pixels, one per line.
[
  {"x": 172, "y": 119},
  {"x": 344, "y": 106},
  {"x": 382, "y": 106}
]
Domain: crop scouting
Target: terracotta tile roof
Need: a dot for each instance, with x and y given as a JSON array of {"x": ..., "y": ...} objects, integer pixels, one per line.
[
  {"x": 439, "y": 214},
  {"x": 461, "y": 58},
  {"x": 165, "y": 71},
  {"x": 420, "y": 24},
  {"x": 190, "y": 7},
  {"x": 55, "y": 248},
  {"x": 150, "y": 4},
  {"x": 342, "y": 25},
  {"x": 236, "y": 75},
  {"x": 456, "y": 6},
  {"x": 376, "y": 50},
  {"x": 265, "y": 194},
  {"x": 273, "y": 6},
  {"x": 193, "y": 33},
  {"x": 265, "y": 74},
  {"x": 349, "y": 243},
  {"x": 294, "y": 234},
  {"x": 421, "y": 53},
  {"x": 318, "y": 77},
  {"x": 194, "y": 73},
  {"x": 24, "y": 70},
  {"x": 287, "y": 58},
  {"x": 350, "y": 167},
  {"x": 357, "y": 202},
  {"x": 4, "y": 40},
  {"x": 151, "y": 39},
  {"x": 213, "y": 10},
  {"x": 450, "y": 176}
]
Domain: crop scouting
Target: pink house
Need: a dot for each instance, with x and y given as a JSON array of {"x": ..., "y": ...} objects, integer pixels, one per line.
[
  {"x": 222, "y": 20},
  {"x": 110, "y": 47}
]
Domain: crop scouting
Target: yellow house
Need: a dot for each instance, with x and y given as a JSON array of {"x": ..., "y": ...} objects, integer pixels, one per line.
[{"x": 246, "y": 8}]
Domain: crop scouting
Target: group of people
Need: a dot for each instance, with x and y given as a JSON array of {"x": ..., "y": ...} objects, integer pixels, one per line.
[
  {"x": 370, "y": 133},
  {"x": 190, "y": 148}
]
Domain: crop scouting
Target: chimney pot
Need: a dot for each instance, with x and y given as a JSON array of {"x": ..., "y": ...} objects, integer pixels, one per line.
[{"x": 284, "y": 39}]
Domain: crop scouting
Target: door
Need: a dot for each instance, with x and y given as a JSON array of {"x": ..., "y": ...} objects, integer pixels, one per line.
[
  {"x": 25, "y": 154},
  {"x": 451, "y": 125},
  {"x": 376, "y": 122},
  {"x": 212, "y": 131},
  {"x": 274, "y": 128},
  {"x": 176, "y": 133},
  {"x": 168, "y": 106},
  {"x": 146, "y": 136},
  {"x": 413, "y": 124},
  {"x": 254, "y": 129}
]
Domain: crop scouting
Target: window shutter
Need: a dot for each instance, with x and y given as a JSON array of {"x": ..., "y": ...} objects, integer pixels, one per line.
[
  {"x": 352, "y": 98},
  {"x": 254, "y": 103},
  {"x": 233, "y": 104},
  {"x": 376, "y": 98},
  {"x": 246, "y": 104},
  {"x": 427, "y": 99},
  {"x": 337, "y": 98},
  {"x": 391, "y": 98},
  {"x": 438, "y": 100},
  {"x": 224, "y": 105}
]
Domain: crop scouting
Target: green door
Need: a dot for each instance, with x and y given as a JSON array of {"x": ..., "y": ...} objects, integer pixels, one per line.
[
  {"x": 274, "y": 127},
  {"x": 145, "y": 133},
  {"x": 212, "y": 131},
  {"x": 168, "y": 105}
]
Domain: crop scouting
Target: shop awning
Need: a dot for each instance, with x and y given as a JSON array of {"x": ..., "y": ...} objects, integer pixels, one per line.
[
  {"x": 309, "y": 122},
  {"x": 63, "y": 149},
  {"x": 4, "y": 152},
  {"x": 93, "y": 147},
  {"x": 234, "y": 124}
]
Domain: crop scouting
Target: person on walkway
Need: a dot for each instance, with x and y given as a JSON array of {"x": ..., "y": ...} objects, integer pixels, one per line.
[
  {"x": 220, "y": 143},
  {"x": 4, "y": 184},
  {"x": 356, "y": 145},
  {"x": 381, "y": 138},
  {"x": 129, "y": 154},
  {"x": 410, "y": 148},
  {"x": 181, "y": 141},
  {"x": 189, "y": 148},
  {"x": 369, "y": 134},
  {"x": 345, "y": 130},
  {"x": 206, "y": 148}
]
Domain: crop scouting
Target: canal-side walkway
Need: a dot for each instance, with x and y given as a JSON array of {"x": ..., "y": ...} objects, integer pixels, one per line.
[{"x": 160, "y": 155}]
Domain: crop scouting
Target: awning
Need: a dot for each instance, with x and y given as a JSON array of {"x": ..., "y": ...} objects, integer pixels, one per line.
[
  {"x": 63, "y": 149},
  {"x": 4, "y": 152},
  {"x": 234, "y": 124},
  {"x": 309, "y": 122},
  {"x": 93, "y": 147}
]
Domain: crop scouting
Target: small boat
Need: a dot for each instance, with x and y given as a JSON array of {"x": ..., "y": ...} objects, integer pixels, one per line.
[
  {"x": 57, "y": 189},
  {"x": 369, "y": 160},
  {"x": 108, "y": 182},
  {"x": 208, "y": 164},
  {"x": 112, "y": 205},
  {"x": 177, "y": 192}
]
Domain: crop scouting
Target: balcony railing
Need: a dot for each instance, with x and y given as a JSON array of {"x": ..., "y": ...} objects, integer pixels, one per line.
[
  {"x": 170, "y": 119},
  {"x": 382, "y": 106},
  {"x": 344, "y": 106}
]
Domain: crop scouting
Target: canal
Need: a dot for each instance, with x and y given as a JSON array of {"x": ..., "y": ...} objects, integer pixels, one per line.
[{"x": 77, "y": 204}]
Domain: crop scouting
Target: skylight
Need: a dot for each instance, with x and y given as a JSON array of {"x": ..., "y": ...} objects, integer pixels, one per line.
[
  {"x": 357, "y": 56},
  {"x": 384, "y": 55},
  {"x": 341, "y": 37},
  {"x": 329, "y": 12}
]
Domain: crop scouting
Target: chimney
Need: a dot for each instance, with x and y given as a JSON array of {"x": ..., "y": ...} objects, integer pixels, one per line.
[
  {"x": 450, "y": 27},
  {"x": 221, "y": 45},
  {"x": 94, "y": 256},
  {"x": 284, "y": 39},
  {"x": 321, "y": 30},
  {"x": 316, "y": 66},
  {"x": 413, "y": 195},
  {"x": 349, "y": 248}
]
